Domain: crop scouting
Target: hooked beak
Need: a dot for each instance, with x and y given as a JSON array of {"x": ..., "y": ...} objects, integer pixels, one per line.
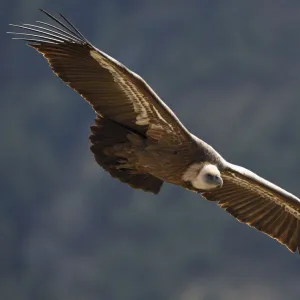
[{"x": 219, "y": 181}]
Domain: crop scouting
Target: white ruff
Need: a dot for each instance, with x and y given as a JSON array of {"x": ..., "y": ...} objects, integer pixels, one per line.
[{"x": 191, "y": 173}]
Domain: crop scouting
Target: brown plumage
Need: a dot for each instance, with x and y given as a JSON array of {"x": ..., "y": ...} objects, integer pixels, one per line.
[{"x": 140, "y": 141}]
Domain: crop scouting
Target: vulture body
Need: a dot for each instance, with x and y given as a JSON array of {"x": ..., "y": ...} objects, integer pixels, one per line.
[{"x": 140, "y": 141}]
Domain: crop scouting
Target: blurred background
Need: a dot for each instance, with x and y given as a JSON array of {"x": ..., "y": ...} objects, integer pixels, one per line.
[{"x": 230, "y": 70}]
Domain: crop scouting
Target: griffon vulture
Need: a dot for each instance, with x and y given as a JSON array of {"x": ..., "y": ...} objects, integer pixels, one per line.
[{"x": 140, "y": 141}]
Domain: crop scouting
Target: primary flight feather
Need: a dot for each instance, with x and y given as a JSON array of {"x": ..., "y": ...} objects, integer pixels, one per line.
[{"x": 140, "y": 141}]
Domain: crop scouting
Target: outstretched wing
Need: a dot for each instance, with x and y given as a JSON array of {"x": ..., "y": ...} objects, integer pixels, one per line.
[
  {"x": 113, "y": 91},
  {"x": 260, "y": 204}
]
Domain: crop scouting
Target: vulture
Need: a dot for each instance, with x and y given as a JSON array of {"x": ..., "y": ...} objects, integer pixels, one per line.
[{"x": 141, "y": 142}]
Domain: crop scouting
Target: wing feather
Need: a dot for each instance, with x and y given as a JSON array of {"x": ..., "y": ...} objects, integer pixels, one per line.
[
  {"x": 113, "y": 91},
  {"x": 260, "y": 204}
]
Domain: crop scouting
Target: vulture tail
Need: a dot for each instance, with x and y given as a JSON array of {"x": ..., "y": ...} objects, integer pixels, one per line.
[{"x": 112, "y": 148}]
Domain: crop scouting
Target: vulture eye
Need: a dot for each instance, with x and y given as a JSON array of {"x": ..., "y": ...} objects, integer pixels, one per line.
[{"x": 210, "y": 176}]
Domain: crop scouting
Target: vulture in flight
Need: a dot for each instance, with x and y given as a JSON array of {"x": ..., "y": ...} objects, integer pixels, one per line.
[{"x": 141, "y": 142}]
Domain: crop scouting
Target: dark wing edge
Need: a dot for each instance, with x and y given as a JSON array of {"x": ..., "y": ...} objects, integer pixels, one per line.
[
  {"x": 82, "y": 66},
  {"x": 65, "y": 32},
  {"x": 260, "y": 204}
]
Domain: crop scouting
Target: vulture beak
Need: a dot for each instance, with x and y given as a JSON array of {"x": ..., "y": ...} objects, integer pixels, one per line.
[{"x": 219, "y": 181}]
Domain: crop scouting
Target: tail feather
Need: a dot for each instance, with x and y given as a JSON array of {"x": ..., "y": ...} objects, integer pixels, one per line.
[{"x": 106, "y": 134}]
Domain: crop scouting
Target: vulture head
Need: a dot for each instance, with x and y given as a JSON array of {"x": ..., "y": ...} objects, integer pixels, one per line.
[{"x": 203, "y": 177}]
